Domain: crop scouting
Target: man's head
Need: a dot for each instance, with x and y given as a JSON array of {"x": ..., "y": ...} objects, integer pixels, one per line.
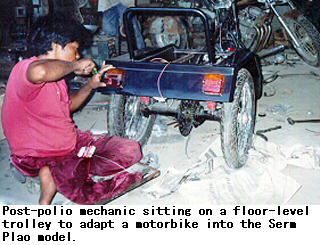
[{"x": 59, "y": 29}]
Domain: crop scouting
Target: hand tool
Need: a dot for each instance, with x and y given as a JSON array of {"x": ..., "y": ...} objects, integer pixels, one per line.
[
  {"x": 260, "y": 132},
  {"x": 292, "y": 121}
]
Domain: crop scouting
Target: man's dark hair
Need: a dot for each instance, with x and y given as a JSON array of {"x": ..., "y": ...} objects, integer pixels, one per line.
[{"x": 58, "y": 28}]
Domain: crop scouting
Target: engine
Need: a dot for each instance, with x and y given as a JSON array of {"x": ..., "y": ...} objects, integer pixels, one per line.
[
  {"x": 251, "y": 26},
  {"x": 220, "y": 4}
]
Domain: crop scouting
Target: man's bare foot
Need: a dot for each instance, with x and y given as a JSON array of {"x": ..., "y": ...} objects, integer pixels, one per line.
[{"x": 48, "y": 187}]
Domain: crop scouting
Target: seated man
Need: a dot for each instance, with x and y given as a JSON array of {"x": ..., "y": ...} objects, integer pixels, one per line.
[{"x": 36, "y": 118}]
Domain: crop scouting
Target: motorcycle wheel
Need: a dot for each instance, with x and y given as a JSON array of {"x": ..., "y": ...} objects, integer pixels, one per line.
[
  {"x": 166, "y": 37},
  {"x": 161, "y": 40},
  {"x": 308, "y": 38},
  {"x": 238, "y": 121},
  {"x": 125, "y": 118}
]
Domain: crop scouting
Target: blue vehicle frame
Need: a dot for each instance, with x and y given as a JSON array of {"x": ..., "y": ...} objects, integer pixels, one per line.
[
  {"x": 211, "y": 76},
  {"x": 179, "y": 81}
]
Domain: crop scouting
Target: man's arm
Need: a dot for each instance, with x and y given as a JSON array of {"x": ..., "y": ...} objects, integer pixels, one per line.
[
  {"x": 51, "y": 70},
  {"x": 78, "y": 97}
]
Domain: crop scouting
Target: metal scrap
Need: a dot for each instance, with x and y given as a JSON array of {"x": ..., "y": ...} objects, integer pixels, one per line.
[{"x": 261, "y": 132}]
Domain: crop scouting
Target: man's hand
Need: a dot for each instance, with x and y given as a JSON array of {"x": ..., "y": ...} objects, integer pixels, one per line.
[
  {"x": 95, "y": 81},
  {"x": 78, "y": 97},
  {"x": 84, "y": 66}
]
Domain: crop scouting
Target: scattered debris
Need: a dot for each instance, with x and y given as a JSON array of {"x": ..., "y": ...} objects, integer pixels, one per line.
[
  {"x": 151, "y": 160},
  {"x": 292, "y": 121},
  {"x": 279, "y": 109},
  {"x": 269, "y": 90},
  {"x": 261, "y": 132},
  {"x": 160, "y": 127},
  {"x": 311, "y": 73},
  {"x": 14, "y": 173},
  {"x": 262, "y": 114},
  {"x": 276, "y": 74},
  {"x": 312, "y": 131},
  {"x": 271, "y": 78}
]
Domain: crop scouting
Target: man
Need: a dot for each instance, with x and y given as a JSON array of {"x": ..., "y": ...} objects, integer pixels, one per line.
[
  {"x": 112, "y": 16},
  {"x": 112, "y": 19},
  {"x": 36, "y": 119}
]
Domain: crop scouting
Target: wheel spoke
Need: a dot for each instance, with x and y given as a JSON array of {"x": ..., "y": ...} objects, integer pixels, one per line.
[
  {"x": 135, "y": 123},
  {"x": 125, "y": 119},
  {"x": 305, "y": 40},
  {"x": 132, "y": 117}
]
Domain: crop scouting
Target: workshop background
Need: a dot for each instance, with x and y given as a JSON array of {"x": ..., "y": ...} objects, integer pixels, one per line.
[{"x": 283, "y": 167}]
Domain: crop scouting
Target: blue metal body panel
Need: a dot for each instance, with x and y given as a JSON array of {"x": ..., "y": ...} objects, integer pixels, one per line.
[
  {"x": 177, "y": 81},
  {"x": 180, "y": 81}
]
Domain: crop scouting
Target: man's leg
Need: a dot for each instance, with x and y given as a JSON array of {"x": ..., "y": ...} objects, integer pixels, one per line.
[
  {"x": 120, "y": 10},
  {"x": 139, "y": 38},
  {"x": 48, "y": 187},
  {"x": 110, "y": 22},
  {"x": 122, "y": 153}
]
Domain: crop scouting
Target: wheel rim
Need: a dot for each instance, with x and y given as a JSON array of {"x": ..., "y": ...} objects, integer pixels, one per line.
[
  {"x": 306, "y": 47},
  {"x": 166, "y": 39},
  {"x": 135, "y": 123},
  {"x": 166, "y": 30},
  {"x": 245, "y": 120}
]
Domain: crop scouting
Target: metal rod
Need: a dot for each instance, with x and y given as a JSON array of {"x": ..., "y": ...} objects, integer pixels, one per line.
[
  {"x": 292, "y": 121},
  {"x": 285, "y": 26}
]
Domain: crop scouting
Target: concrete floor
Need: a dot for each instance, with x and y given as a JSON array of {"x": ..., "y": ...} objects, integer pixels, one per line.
[{"x": 294, "y": 93}]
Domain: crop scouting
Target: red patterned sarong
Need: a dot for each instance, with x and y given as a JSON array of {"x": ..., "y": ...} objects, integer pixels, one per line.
[{"x": 72, "y": 174}]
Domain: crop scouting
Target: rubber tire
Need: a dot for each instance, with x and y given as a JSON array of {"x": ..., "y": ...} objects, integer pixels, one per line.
[
  {"x": 234, "y": 153},
  {"x": 313, "y": 34},
  {"x": 116, "y": 119}
]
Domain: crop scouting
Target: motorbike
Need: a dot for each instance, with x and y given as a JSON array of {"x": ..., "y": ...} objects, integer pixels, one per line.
[
  {"x": 256, "y": 20},
  {"x": 193, "y": 67}
]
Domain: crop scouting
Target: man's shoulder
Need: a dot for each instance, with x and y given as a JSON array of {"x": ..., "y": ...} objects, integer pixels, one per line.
[{"x": 27, "y": 61}]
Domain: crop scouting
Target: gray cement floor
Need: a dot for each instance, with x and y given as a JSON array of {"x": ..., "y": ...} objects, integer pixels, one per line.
[{"x": 294, "y": 93}]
